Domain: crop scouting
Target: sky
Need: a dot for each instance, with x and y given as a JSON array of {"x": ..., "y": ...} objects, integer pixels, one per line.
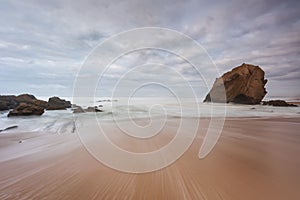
[{"x": 45, "y": 44}]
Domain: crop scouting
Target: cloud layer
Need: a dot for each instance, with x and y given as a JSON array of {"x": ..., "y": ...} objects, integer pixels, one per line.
[{"x": 43, "y": 43}]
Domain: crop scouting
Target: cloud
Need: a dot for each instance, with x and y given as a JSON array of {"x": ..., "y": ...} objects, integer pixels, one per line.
[{"x": 47, "y": 41}]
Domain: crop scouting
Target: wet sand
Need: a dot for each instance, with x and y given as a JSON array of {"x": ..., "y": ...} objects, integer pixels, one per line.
[{"x": 253, "y": 159}]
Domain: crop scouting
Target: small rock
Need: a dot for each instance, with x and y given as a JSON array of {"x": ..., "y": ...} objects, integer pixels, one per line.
[
  {"x": 78, "y": 109},
  {"x": 8, "y": 128},
  {"x": 93, "y": 109},
  {"x": 279, "y": 103},
  {"x": 55, "y": 103}
]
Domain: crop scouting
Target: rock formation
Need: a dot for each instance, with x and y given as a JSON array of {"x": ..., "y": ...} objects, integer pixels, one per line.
[
  {"x": 92, "y": 109},
  {"x": 27, "y": 104},
  {"x": 40, "y": 103},
  {"x": 243, "y": 84},
  {"x": 25, "y": 98},
  {"x": 26, "y": 109},
  {"x": 280, "y": 103},
  {"x": 30, "y": 99},
  {"x": 55, "y": 103},
  {"x": 8, "y": 102},
  {"x": 78, "y": 109}
]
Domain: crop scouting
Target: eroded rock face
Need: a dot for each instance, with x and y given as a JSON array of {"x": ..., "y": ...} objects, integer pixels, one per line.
[
  {"x": 24, "y": 109},
  {"x": 244, "y": 84},
  {"x": 55, "y": 103}
]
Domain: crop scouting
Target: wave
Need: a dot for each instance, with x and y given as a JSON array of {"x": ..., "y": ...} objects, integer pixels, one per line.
[{"x": 62, "y": 121}]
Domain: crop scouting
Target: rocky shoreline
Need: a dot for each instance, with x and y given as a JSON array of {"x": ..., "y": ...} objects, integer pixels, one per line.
[{"x": 28, "y": 104}]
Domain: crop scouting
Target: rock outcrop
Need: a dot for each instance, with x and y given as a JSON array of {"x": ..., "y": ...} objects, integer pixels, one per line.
[
  {"x": 8, "y": 102},
  {"x": 78, "y": 109},
  {"x": 25, "y": 98},
  {"x": 93, "y": 109},
  {"x": 30, "y": 99},
  {"x": 24, "y": 109},
  {"x": 279, "y": 103},
  {"x": 40, "y": 103},
  {"x": 243, "y": 84},
  {"x": 27, "y": 104},
  {"x": 55, "y": 103}
]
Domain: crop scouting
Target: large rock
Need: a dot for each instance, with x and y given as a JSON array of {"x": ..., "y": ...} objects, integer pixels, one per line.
[
  {"x": 55, "y": 103},
  {"x": 11, "y": 102},
  {"x": 25, "y": 109},
  {"x": 243, "y": 84},
  {"x": 29, "y": 98},
  {"x": 8, "y": 102}
]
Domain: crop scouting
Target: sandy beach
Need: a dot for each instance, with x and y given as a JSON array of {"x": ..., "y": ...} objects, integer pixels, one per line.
[{"x": 255, "y": 158}]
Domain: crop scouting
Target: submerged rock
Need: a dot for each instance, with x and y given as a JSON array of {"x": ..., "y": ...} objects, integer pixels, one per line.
[
  {"x": 279, "y": 103},
  {"x": 78, "y": 109},
  {"x": 243, "y": 84},
  {"x": 93, "y": 109},
  {"x": 25, "y": 109},
  {"x": 55, "y": 103}
]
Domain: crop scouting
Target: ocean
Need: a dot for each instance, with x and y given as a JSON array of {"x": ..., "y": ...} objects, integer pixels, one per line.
[{"x": 62, "y": 121}]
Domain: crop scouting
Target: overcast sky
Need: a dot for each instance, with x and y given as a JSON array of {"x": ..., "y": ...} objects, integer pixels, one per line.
[{"x": 44, "y": 43}]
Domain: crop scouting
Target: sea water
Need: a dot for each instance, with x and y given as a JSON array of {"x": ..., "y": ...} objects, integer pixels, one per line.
[{"x": 62, "y": 121}]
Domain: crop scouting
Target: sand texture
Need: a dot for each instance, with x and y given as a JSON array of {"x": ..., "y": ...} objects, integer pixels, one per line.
[{"x": 253, "y": 159}]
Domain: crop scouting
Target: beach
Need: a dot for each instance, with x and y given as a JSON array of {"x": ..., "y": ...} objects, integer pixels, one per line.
[
  {"x": 146, "y": 100},
  {"x": 254, "y": 158}
]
